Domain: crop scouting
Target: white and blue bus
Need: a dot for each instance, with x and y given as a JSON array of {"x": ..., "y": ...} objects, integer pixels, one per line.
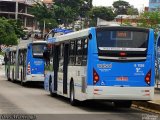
[
  {"x": 25, "y": 62},
  {"x": 103, "y": 63}
]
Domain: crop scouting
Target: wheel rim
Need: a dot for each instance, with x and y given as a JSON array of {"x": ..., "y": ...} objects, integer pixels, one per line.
[
  {"x": 72, "y": 94},
  {"x": 50, "y": 89}
]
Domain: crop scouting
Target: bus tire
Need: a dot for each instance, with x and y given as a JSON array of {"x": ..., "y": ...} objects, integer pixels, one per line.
[
  {"x": 50, "y": 87},
  {"x": 123, "y": 104},
  {"x": 22, "y": 83},
  {"x": 13, "y": 79},
  {"x": 72, "y": 94},
  {"x": 8, "y": 75}
]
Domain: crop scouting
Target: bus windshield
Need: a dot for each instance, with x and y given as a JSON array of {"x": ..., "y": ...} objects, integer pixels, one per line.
[
  {"x": 126, "y": 40},
  {"x": 38, "y": 49}
]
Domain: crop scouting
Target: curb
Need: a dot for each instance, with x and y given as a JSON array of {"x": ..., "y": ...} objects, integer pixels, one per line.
[{"x": 149, "y": 105}]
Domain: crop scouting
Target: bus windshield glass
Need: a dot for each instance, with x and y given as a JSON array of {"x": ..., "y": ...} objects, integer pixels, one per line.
[
  {"x": 122, "y": 40},
  {"x": 38, "y": 49}
]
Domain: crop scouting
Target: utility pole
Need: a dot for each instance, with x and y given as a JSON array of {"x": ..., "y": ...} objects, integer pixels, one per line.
[
  {"x": 16, "y": 10},
  {"x": 121, "y": 20},
  {"x": 44, "y": 27}
]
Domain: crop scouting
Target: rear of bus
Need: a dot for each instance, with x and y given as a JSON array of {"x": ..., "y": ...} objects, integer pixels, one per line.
[
  {"x": 121, "y": 63},
  {"x": 35, "y": 61}
]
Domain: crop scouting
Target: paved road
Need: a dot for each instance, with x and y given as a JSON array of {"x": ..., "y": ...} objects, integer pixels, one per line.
[{"x": 34, "y": 100}]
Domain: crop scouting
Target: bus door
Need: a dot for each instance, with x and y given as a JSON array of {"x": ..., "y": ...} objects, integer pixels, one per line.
[
  {"x": 56, "y": 49},
  {"x": 62, "y": 68},
  {"x": 65, "y": 67}
]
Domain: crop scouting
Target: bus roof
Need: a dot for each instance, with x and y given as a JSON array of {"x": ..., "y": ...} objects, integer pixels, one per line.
[
  {"x": 38, "y": 41},
  {"x": 23, "y": 43},
  {"x": 73, "y": 35},
  {"x": 13, "y": 48},
  {"x": 85, "y": 32}
]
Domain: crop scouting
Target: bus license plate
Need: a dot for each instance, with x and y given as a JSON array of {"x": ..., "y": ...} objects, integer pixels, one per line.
[{"x": 122, "y": 78}]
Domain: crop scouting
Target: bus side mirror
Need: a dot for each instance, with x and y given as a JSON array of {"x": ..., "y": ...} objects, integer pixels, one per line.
[{"x": 90, "y": 36}]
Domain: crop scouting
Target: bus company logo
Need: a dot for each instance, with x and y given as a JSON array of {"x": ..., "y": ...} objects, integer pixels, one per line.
[
  {"x": 38, "y": 62},
  {"x": 104, "y": 66},
  {"x": 138, "y": 69}
]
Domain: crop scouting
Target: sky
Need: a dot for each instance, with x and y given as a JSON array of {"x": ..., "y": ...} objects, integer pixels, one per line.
[{"x": 140, "y": 4}]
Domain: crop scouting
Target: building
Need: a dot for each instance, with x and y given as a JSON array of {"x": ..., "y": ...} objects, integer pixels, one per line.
[
  {"x": 131, "y": 19},
  {"x": 154, "y": 4},
  {"x": 18, "y": 9}
]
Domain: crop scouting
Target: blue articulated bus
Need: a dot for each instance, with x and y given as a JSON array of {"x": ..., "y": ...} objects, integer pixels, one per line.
[
  {"x": 25, "y": 62},
  {"x": 103, "y": 63}
]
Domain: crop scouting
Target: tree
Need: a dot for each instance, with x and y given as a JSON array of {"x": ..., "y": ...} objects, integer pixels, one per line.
[
  {"x": 42, "y": 13},
  {"x": 67, "y": 11},
  {"x": 64, "y": 14},
  {"x": 132, "y": 11},
  {"x": 150, "y": 20},
  {"x": 7, "y": 33},
  {"x": 17, "y": 26},
  {"x": 121, "y": 7},
  {"x": 49, "y": 24},
  {"x": 105, "y": 13}
]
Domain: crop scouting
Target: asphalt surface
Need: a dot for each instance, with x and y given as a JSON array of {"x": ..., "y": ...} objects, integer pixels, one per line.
[{"x": 34, "y": 103}]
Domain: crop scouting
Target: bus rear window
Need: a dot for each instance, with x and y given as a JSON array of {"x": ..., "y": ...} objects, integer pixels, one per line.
[
  {"x": 38, "y": 49},
  {"x": 122, "y": 39}
]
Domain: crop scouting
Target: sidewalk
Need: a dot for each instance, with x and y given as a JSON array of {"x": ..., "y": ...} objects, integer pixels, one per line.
[{"x": 153, "y": 105}]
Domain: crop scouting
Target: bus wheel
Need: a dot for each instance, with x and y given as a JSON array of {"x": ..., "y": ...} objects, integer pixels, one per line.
[
  {"x": 123, "y": 104},
  {"x": 50, "y": 88},
  {"x": 13, "y": 80},
  {"x": 72, "y": 94},
  {"x": 22, "y": 83},
  {"x": 8, "y": 75}
]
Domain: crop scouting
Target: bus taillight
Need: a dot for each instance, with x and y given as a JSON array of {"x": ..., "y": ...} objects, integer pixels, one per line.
[
  {"x": 95, "y": 77},
  {"x": 148, "y": 77},
  {"x": 28, "y": 68},
  {"x": 122, "y": 54}
]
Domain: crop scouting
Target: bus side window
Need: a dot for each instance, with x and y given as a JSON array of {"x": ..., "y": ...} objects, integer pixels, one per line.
[
  {"x": 20, "y": 57},
  {"x": 72, "y": 53},
  {"x": 60, "y": 69},
  {"x": 84, "y": 51},
  {"x": 79, "y": 52},
  {"x": 14, "y": 57}
]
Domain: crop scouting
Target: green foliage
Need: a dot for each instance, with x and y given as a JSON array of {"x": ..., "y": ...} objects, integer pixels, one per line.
[
  {"x": 150, "y": 19},
  {"x": 132, "y": 11},
  {"x": 49, "y": 67},
  {"x": 68, "y": 11},
  {"x": 61, "y": 12},
  {"x": 49, "y": 24},
  {"x": 64, "y": 14},
  {"x": 43, "y": 12},
  {"x": 16, "y": 24},
  {"x": 105, "y": 13},
  {"x": 7, "y": 33}
]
